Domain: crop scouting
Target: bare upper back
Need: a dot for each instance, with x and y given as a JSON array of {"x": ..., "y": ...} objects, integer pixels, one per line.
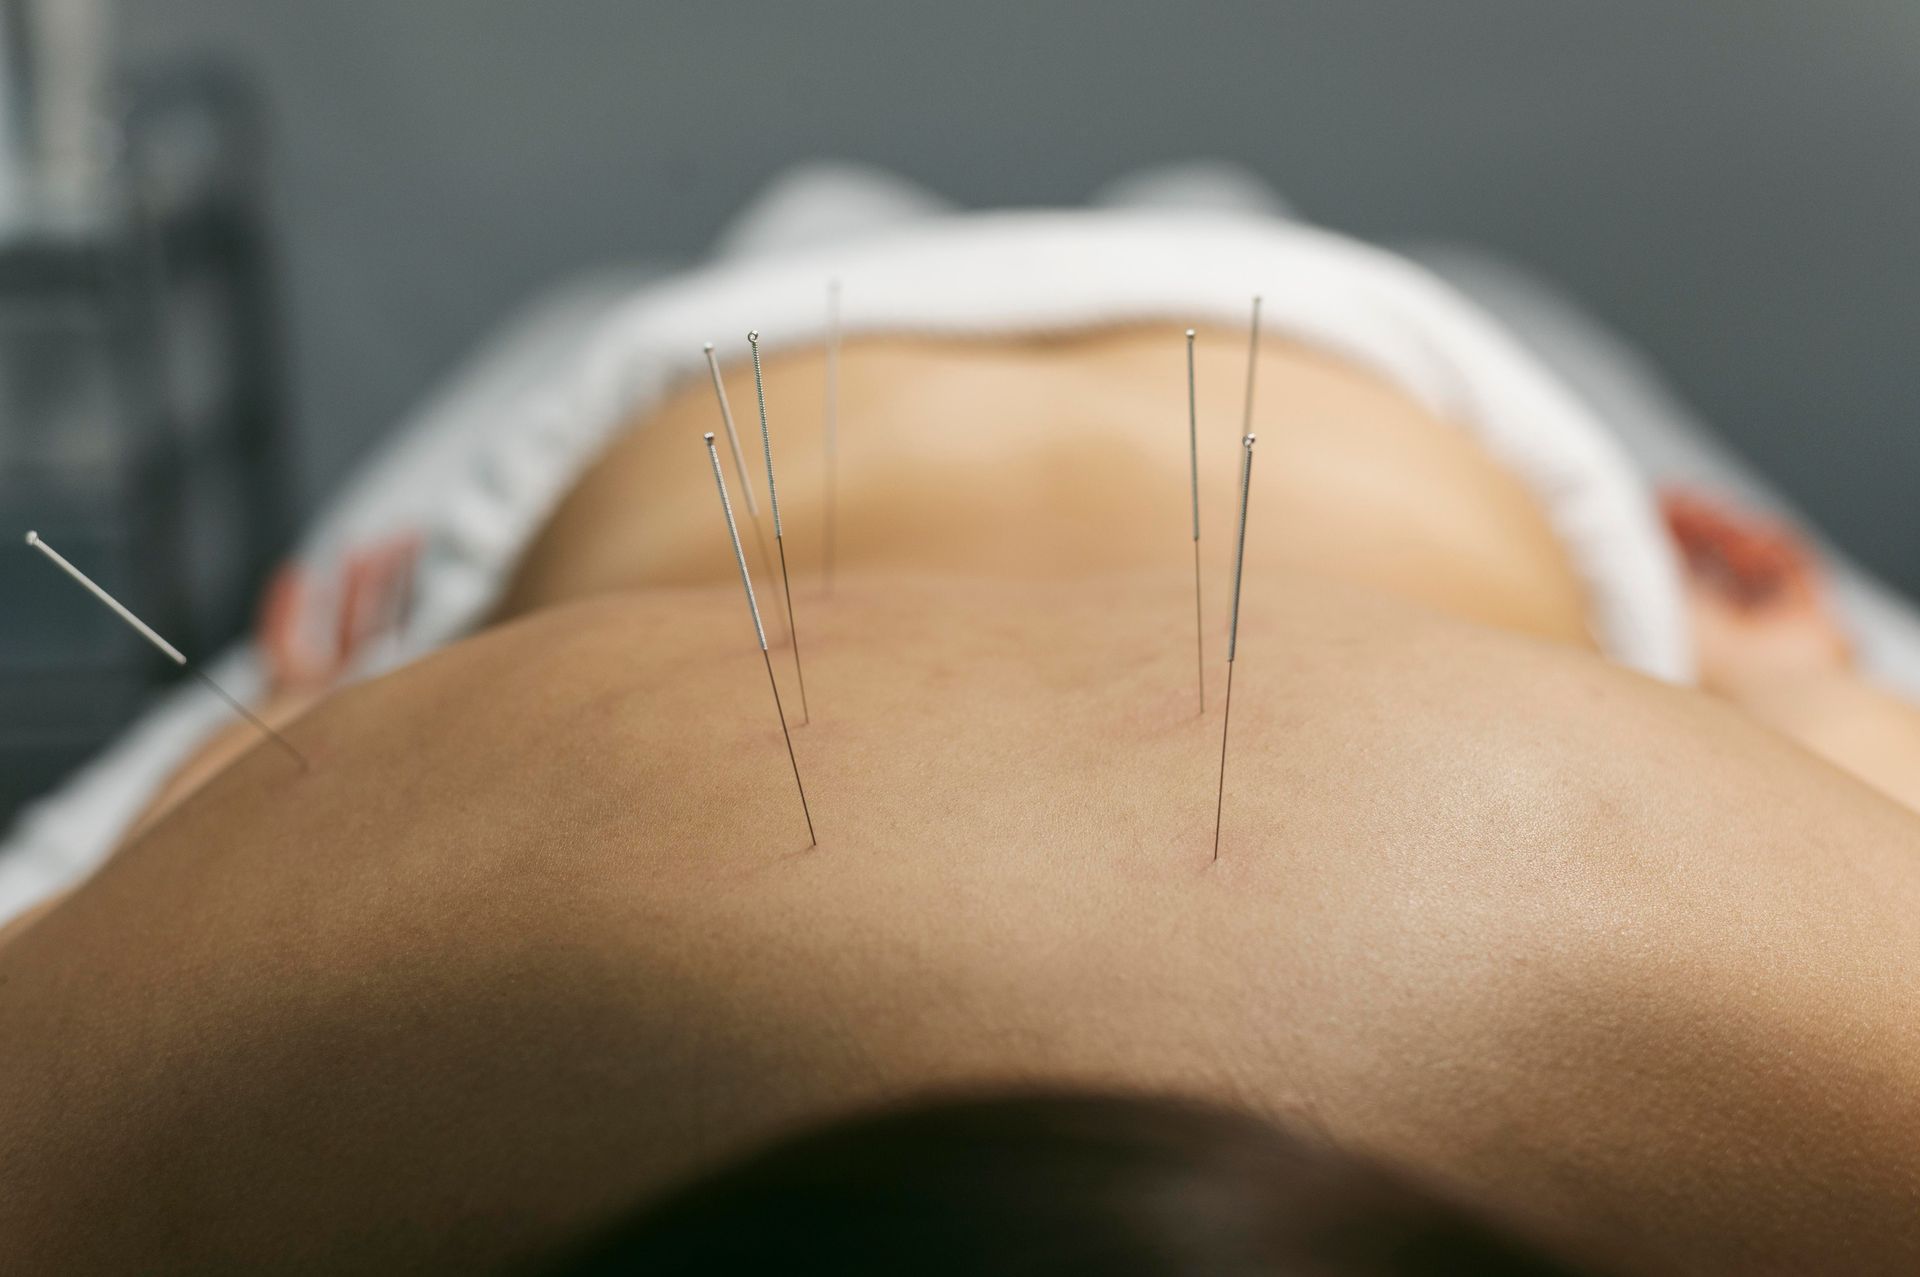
[
  {"x": 1037, "y": 459},
  {"x": 541, "y": 930}
]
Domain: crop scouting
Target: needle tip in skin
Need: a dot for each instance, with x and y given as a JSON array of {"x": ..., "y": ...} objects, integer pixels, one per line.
[
  {"x": 760, "y": 633},
  {"x": 167, "y": 649},
  {"x": 1233, "y": 635},
  {"x": 780, "y": 544}
]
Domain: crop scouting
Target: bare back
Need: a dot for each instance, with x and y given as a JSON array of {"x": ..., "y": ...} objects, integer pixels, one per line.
[{"x": 541, "y": 930}]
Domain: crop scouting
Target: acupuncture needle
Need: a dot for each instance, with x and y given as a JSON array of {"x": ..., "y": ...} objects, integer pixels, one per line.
[
  {"x": 760, "y": 632},
  {"x": 1233, "y": 634},
  {"x": 1193, "y": 461},
  {"x": 773, "y": 498},
  {"x": 739, "y": 461},
  {"x": 166, "y": 649}
]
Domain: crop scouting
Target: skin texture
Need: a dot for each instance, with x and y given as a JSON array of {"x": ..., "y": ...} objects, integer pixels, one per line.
[
  {"x": 404, "y": 1014},
  {"x": 540, "y": 932}
]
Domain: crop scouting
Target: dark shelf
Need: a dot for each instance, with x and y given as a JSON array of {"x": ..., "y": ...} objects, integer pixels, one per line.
[{"x": 133, "y": 474}]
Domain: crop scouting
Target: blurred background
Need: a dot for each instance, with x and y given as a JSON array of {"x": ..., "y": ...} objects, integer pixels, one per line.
[{"x": 240, "y": 238}]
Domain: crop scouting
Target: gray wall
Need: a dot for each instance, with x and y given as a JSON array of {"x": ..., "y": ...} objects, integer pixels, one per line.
[{"x": 1730, "y": 181}]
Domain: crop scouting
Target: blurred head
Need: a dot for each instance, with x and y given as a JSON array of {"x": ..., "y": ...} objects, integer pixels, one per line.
[{"x": 1058, "y": 1184}]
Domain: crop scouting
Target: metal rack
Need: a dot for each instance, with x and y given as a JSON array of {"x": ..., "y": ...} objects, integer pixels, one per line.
[{"x": 140, "y": 422}]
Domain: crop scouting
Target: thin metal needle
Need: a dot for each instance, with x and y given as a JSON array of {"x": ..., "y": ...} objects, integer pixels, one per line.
[
  {"x": 830, "y": 438},
  {"x": 1233, "y": 635},
  {"x": 753, "y": 606},
  {"x": 167, "y": 649},
  {"x": 1193, "y": 459},
  {"x": 1253, "y": 359},
  {"x": 773, "y": 497},
  {"x": 739, "y": 462}
]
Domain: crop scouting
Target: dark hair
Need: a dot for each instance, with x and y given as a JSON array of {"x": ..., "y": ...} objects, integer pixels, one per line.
[{"x": 1120, "y": 1186}]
